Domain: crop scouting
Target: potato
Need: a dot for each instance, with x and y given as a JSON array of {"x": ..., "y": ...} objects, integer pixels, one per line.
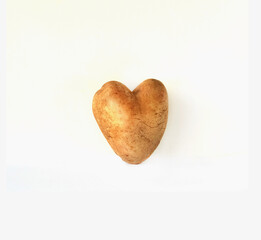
[{"x": 132, "y": 122}]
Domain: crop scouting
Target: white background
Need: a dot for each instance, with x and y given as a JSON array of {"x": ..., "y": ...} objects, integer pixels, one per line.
[
  {"x": 59, "y": 53},
  {"x": 174, "y": 215}
]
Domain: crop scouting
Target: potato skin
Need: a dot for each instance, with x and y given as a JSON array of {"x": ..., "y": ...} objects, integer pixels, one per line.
[{"x": 132, "y": 122}]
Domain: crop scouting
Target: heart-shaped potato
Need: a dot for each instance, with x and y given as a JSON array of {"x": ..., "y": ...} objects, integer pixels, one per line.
[{"x": 132, "y": 122}]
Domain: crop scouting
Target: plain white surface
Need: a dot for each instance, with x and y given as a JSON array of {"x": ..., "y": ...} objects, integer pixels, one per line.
[
  {"x": 55, "y": 64},
  {"x": 183, "y": 216}
]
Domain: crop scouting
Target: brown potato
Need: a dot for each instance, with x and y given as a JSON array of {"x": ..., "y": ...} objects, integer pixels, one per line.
[{"x": 132, "y": 122}]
